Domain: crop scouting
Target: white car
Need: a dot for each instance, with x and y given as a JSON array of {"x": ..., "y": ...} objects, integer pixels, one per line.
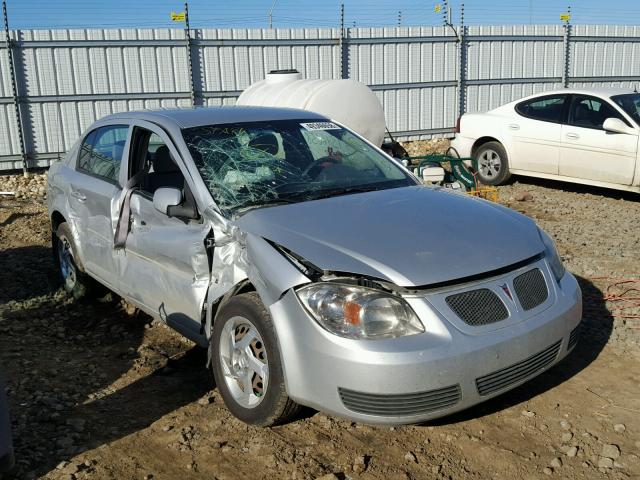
[{"x": 581, "y": 136}]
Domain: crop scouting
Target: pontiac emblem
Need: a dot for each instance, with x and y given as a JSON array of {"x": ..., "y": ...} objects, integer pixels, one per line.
[{"x": 505, "y": 289}]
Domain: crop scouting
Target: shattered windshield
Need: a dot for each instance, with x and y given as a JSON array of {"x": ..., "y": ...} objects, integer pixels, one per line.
[{"x": 264, "y": 163}]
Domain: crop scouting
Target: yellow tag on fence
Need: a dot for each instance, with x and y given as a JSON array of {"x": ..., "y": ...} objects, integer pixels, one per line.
[
  {"x": 437, "y": 8},
  {"x": 565, "y": 17},
  {"x": 178, "y": 17}
]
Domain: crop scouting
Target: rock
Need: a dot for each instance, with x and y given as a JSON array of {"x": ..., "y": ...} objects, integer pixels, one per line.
[
  {"x": 556, "y": 462},
  {"x": 410, "y": 457},
  {"x": 359, "y": 464},
  {"x": 547, "y": 471},
  {"x": 524, "y": 197},
  {"x": 565, "y": 425},
  {"x": 528, "y": 413},
  {"x": 166, "y": 428},
  {"x": 70, "y": 469},
  {"x": 566, "y": 437},
  {"x": 572, "y": 452},
  {"x": 206, "y": 400},
  {"x": 610, "y": 451},
  {"x": 605, "y": 462},
  {"x": 619, "y": 427},
  {"x": 328, "y": 476}
]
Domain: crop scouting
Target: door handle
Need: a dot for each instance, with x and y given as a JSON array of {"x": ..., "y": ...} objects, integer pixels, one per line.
[
  {"x": 514, "y": 126},
  {"x": 78, "y": 195},
  {"x": 573, "y": 136}
]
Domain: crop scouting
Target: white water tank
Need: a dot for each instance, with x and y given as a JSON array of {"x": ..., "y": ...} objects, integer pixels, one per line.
[{"x": 346, "y": 101}]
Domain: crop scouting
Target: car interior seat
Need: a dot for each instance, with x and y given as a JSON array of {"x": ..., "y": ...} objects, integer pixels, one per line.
[
  {"x": 165, "y": 171},
  {"x": 584, "y": 116}
]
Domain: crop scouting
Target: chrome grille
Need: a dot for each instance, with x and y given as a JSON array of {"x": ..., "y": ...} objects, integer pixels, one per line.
[
  {"x": 574, "y": 337},
  {"x": 531, "y": 289},
  {"x": 478, "y": 307},
  {"x": 398, "y": 405},
  {"x": 519, "y": 371}
]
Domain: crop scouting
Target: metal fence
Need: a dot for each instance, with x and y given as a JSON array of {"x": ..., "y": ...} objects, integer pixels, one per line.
[{"x": 424, "y": 76}]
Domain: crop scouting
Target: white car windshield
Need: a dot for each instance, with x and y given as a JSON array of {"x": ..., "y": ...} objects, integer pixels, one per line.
[
  {"x": 630, "y": 103},
  {"x": 264, "y": 163}
]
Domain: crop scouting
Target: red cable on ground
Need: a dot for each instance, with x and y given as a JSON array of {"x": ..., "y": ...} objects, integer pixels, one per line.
[{"x": 624, "y": 286}]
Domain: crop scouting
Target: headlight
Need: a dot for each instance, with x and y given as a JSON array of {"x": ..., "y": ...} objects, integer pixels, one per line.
[
  {"x": 358, "y": 312},
  {"x": 552, "y": 255}
]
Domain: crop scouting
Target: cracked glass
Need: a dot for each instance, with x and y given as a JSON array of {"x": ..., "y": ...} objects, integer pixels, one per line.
[{"x": 251, "y": 165}]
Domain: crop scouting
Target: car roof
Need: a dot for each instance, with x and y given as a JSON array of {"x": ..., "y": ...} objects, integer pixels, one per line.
[
  {"x": 198, "y": 116},
  {"x": 598, "y": 92}
]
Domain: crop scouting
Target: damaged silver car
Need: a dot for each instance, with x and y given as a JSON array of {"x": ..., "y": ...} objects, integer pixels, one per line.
[{"x": 315, "y": 269}]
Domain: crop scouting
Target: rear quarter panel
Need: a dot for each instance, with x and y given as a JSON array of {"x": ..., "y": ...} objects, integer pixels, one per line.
[{"x": 491, "y": 124}]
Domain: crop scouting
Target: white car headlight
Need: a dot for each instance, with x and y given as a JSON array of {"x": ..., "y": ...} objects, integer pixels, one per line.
[
  {"x": 358, "y": 312},
  {"x": 551, "y": 253}
]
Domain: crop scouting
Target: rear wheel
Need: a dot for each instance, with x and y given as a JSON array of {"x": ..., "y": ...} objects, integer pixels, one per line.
[
  {"x": 493, "y": 164},
  {"x": 74, "y": 280},
  {"x": 247, "y": 365}
]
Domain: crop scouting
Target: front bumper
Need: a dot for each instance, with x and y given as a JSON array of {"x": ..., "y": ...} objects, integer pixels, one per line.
[{"x": 441, "y": 368}]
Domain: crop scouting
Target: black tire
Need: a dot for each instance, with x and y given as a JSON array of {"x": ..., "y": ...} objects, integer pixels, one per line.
[
  {"x": 74, "y": 280},
  {"x": 493, "y": 163},
  {"x": 274, "y": 407}
]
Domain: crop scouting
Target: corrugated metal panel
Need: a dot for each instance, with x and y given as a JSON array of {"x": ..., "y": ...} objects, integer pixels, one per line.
[
  {"x": 515, "y": 59},
  {"x": 64, "y": 87},
  {"x": 597, "y": 58},
  {"x": 417, "y": 107}
]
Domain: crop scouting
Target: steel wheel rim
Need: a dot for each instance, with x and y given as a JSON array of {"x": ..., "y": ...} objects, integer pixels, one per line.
[
  {"x": 244, "y": 362},
  {"x": 489, "y": 163},
  {"x": 67, "y": 266}
]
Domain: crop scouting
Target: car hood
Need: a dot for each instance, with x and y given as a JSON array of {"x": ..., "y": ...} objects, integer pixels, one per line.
[{"x": 411, "y": 236}]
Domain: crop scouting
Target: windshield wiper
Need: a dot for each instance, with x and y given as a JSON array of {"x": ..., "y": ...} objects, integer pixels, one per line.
[
  {"x": 336, "y": 192},
  {"x": 270, "y": 203}
]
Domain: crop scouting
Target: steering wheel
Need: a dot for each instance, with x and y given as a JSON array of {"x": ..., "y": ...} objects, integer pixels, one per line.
[{"x": 318, "y": 163}]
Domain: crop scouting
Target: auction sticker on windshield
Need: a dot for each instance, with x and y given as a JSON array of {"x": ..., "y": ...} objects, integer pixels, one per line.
[{"x": 321, "y": 126}]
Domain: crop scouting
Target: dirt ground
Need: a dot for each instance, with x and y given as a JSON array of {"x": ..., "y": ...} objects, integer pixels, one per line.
[{"x": 100, "y": 393}]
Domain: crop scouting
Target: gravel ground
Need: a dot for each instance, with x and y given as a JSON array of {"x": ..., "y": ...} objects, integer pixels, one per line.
[{"x": 100, "y": 391}]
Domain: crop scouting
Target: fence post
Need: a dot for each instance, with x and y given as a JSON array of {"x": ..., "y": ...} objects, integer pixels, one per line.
[
  {"x": 14, "y": 88},
  {"x": 187, "y": 34},
  {"x": 566, "y": 45},
  {"x": 462, "y": 70},
  {"x": 344, "y": 46}
]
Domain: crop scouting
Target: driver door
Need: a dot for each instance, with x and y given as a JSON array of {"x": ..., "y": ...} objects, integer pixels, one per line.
[
  {"x": 166, "y": 262},
  {"x": 588, "y": 151}
]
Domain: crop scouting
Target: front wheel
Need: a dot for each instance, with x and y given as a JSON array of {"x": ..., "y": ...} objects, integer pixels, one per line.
[
  {"x": 247, "y": 364},
  {"x": 493, "y": 164}
]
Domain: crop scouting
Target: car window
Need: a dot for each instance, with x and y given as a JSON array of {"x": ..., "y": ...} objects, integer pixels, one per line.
[
  {"x": 152, "y": 153},
  {"x": 591, "y": 112},
  {"x": 546, "y": 109},
  {"x": 630, "y": 103},
  {"x": 101, "y": 152}
]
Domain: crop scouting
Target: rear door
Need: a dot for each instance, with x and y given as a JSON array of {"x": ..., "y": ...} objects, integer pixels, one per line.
[
  {"x": 94, "y": 190},
  {"x": 590, "y": 152},
  {"x": 535, "y": 133},
  {"x": 166, "y": 263}
]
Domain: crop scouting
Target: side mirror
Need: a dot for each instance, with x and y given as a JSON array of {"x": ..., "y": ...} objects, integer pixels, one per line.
[
  {"x": 615, "y": 125},
  {"x": 166, "y": 197}
]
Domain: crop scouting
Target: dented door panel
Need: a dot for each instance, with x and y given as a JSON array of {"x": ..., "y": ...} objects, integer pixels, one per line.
[{"x": 164, "y": 265}]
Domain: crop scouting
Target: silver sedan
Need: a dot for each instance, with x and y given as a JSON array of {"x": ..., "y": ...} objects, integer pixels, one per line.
[{"x": 315, "y": 269}]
